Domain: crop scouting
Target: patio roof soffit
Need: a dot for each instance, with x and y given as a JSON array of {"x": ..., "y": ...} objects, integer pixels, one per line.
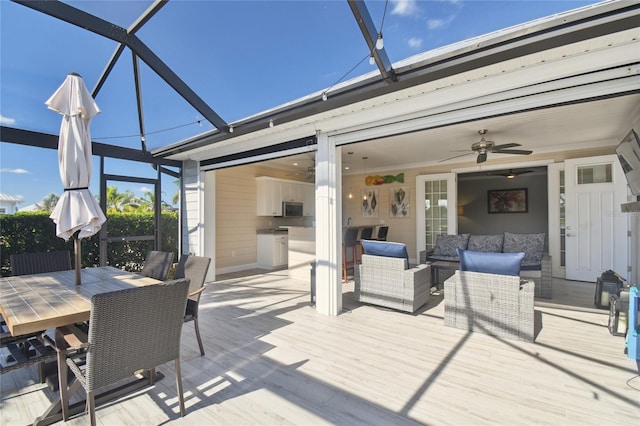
[
  {"x": 555, "y": 32},
  {"x": 127, "y": 38}
]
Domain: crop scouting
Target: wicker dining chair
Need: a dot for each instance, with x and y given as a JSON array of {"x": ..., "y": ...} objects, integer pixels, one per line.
[
  {"x": 195, "y": 268},
  {"x": 39, "y": 263},
  {"x": 30, "y": 349},
  {"x": 157, "y": 264},
  {"x": 129, "y": 330}
]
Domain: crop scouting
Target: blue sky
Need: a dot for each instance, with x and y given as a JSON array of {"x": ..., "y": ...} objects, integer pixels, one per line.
[{"x": 241, "y": 57}]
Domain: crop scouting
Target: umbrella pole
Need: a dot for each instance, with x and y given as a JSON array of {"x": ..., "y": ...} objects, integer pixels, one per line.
[{"x": 77, "y": 248}]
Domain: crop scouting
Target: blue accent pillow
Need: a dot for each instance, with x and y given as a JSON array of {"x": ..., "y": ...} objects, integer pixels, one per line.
[
  {"x": 490, "y": 263},
  {"x": 385, "y": 248}
]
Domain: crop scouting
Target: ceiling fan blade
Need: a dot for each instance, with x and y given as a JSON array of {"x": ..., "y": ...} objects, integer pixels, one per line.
[
  {"x": 482, "y": 157},
  {"x": 504, "y": 146},
  {"x": 512, "y": 151},
  {"x": 455, "y": 156}
]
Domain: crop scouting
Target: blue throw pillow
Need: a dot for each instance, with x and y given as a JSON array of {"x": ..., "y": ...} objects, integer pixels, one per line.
[
  {"x": 385, "y": 248},
  {"x": 490, "y": 263}
]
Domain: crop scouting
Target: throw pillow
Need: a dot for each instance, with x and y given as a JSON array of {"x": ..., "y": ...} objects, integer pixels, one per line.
[
  {"x": 485, "y": 243},
  {"x": 446, "y": 245},
  {"x": 385, "y": 248},
  {"x": 531, "y": 244},
  {"x": 490, "y": 263}
]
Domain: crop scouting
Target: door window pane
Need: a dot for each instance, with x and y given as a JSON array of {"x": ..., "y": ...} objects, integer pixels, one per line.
[
  {"x": 599, "y": 173},
  {"x": 435, "y": 211}
]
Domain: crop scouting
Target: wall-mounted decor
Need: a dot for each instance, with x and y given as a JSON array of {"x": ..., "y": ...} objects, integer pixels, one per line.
[
  {"x": 508, "y": 200},
  {"x": 399, "y": 198},
  {"x": 370, "y": 201},
  {"x": 379, "y": 180}
]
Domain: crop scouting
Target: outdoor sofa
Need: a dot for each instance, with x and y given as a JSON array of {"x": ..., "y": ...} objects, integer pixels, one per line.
[
  {"x": 384, "y": 277},
  {"x": 536, "y": 264}
]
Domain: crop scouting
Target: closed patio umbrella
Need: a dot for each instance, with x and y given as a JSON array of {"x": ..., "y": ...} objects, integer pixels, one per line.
[{"x": 77, "y": 214}]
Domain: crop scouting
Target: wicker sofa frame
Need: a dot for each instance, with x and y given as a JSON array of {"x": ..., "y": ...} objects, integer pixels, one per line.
[
  {"x": 384, "y": 281},
  {"x": 499, "y": 305}
]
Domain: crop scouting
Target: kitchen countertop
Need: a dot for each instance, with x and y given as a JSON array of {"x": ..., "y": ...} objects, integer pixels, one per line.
[
  {"x": 297, "y": 227},
  {"x": 272, "y": 231}
]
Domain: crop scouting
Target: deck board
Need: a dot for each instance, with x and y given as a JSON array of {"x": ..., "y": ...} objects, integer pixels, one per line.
[{"x": 271, "y": 359}]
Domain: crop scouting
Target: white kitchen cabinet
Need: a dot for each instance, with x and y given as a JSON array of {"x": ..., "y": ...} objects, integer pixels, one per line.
[
  {"x": 292, "y": 191},
  {"x": 273, "y": 250},
  {"x": 273, "y": 191},
  {"x": 269, "y": 200}
]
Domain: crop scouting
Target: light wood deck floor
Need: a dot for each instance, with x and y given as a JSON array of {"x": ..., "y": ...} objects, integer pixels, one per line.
[{"x": 271, "y": 359}]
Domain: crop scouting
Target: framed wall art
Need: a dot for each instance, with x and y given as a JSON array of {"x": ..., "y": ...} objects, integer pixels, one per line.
[
  {"x": 370, "y": 202},
  {"x": 399, "y": 201},
  {"x": 508, "y": 200}
]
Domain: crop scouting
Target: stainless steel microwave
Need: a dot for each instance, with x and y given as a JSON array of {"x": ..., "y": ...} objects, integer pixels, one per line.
[{"x": 291, "y": 209}]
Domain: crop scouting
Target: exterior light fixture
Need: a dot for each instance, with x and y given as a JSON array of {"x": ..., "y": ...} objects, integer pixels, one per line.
[
  {"x": 230, "y": 129},
  {"x": 271, "y": 123},
  {"x": 348, "y": 166},
  {"x": 371, "y": 60},
  {"x": 324, "y": 96},
  {"x": 379, "y": 41}
]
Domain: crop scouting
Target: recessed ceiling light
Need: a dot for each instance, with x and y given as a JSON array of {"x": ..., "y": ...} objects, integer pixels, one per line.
[{"x": 295, "y": 164}]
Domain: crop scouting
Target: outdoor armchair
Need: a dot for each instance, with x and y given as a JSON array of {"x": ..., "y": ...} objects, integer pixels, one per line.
[
  {"x": 157, "y": 265},
  {"x": 195, "y": 268},
  {"x": 129, "y": 330},
  {"x": 499, "y": 305},
  {"x": 384, "y": 278}
]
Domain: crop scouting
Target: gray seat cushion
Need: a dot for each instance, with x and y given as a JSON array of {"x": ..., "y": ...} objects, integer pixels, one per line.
[{"x": 531, "y": 244}]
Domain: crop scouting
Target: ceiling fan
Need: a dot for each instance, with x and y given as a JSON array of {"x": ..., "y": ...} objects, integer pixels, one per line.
[
  {"x": 510, "y": 174},
  {"x": 310, "y": 172},
  {"x": 483, "y": 147}
]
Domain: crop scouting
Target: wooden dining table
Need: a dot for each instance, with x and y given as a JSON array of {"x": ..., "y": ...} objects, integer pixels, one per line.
[
  {"x": 52, "y": 300},
  {"x": 32, "y": 303}
]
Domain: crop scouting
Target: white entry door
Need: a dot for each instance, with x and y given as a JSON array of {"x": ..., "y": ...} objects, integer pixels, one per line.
[{"x": 596, "y": 230}]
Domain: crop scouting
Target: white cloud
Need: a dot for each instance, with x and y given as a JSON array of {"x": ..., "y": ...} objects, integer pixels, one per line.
[
  {"x": 415, "y": 43},
  {"x": 16, "y": 171},
  {"x": 434, "y": 24},
  {"x": 144, "y": 189},
  {"x": 7, "y": 120},
  {"x": 404, "y": 7}
]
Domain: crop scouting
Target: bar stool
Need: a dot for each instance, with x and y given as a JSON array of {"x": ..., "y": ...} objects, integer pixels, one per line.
[
  {"x": 365, "y": 234},
  {"x": 349, "y": 242},
  {"x": 382, "y": 233}
]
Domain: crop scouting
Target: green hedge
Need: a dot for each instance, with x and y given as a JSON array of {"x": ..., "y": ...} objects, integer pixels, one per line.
[{"x": 32, "y": 232}]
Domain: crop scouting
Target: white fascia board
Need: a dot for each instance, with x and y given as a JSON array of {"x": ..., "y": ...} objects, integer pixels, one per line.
[{"x": 278, "y": 134}]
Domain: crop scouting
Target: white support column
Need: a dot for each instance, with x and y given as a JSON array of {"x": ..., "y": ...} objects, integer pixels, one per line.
[
  {"x": 208, "y": 243},
  {"x": 328, "y": 226}
]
